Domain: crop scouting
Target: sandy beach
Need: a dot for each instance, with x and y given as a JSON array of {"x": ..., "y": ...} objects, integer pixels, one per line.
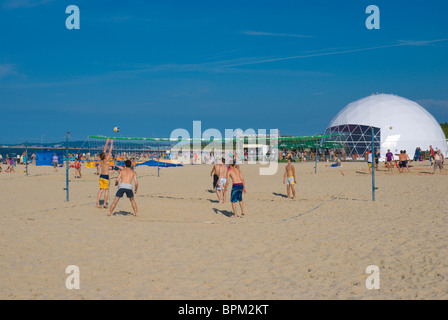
[{"x": 185, "y": 245}]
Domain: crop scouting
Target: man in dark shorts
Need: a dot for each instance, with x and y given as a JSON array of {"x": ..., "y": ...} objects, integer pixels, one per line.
[
  {"x": 377, "y": 158},
  {"x": 438, "y": 161},
  {"x": 127, "y": 175},
  {"x": 238, "y": 187},
  {"x": 408, "y": 160},
  {"x": 403, "y": 161},
  {"x": 215, "y": 173}
]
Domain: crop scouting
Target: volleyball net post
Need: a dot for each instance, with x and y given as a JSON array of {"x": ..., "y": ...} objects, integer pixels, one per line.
[
  {"x": 373, "y": 164},
  {"x": 26, "y": 157},
  {"x": 67, "y": 166}
]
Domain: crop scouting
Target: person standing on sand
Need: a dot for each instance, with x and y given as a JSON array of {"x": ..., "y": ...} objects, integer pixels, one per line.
[
  {"x": 370, "y": 160},
  {"x": 377, "y": 158},
  {"x": 104, "y": 176},
  {"x": 289, "y": 178},
  {"x": 438, "y": 161},
  {"x": 403, "y": 161},
  {"x": 222, "y": 179},
  {"x": 77, "y": 166},
  {"x": 389, "y": 158},
  {"x": 55, "y": 162},
  {"x": 238, "y": 188},
  {"x": 215, "y": 174},
  {"x": 431, "y": 154},
  {"x": 408, "y": 160},
  {"x": 127, "y": 175},
  {"x": 97, "y": 164}
]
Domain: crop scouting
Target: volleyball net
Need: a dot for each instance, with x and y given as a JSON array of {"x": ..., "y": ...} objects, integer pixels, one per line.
[{"x": 240, "y": 148}]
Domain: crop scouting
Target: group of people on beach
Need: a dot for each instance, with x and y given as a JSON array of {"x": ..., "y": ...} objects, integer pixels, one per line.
[
  {"x": 436, "y": 159},
  {"x": 124, "y": 181},
  {"x": 12, "y": 162},
  {"x": 221, "y": 178},
  {"x": 222, "y": 174}
]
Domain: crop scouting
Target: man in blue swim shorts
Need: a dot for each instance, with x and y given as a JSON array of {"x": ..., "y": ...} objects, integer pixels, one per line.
[{"x": 238, "y": 188}]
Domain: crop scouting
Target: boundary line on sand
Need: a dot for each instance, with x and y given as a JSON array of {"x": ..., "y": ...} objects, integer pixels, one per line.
[{"x": 316, "y": 207}]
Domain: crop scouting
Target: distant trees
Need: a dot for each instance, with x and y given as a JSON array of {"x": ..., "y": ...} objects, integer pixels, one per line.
[{"x": 445, "y": 128}]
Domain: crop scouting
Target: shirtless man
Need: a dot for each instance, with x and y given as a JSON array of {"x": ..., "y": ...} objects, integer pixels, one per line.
[
  {"x": 290, "y": 179},
  {"x": 97, "y": 164},
  {"x": 438, "y": 161},
  {"x": 408, "y": 160},
  {"x": 215, "y": 174},
  {"x": 104, "y": 176},
  {"x": 431, "y": 155},
  {"x": 238, "y": 187},
  {"x": 402, "y": 161},
  {"x": 222, "y": 179},
  {"x": 127, "y": 175}
]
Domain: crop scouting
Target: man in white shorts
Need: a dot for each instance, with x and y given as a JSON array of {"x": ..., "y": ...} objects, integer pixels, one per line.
[
  {"x": 289, "y": 178},
  {"x": 222, "y": 172}
]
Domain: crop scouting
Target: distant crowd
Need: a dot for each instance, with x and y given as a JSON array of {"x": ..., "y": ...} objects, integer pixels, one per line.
[{"x": 401, "y": 160}]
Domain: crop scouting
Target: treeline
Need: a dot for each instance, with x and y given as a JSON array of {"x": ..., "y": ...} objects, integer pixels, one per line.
[{"x": 445, "y": 128}]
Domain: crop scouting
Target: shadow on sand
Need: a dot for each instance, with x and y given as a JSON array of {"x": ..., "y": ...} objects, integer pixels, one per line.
[
  {"x": 280, "y": 195},
  {"x": 122, "y": 213},
  {"x": 226, "y": 213}
]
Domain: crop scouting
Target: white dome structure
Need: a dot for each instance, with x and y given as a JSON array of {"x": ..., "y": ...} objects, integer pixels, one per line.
[{"x": 399, "y": 124}]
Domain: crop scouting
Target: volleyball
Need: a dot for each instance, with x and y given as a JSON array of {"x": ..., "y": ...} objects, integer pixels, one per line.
[{"x": 116, "y": 129}]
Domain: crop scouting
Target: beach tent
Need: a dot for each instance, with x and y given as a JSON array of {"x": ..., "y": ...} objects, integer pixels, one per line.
[
  {"x": 397, "y": 123},
  {"x": 154, "y": 163},
  {"x": 46, "y": 159}
]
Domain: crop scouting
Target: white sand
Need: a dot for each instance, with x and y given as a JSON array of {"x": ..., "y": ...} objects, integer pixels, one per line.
[{"x": 184, "y": 246}]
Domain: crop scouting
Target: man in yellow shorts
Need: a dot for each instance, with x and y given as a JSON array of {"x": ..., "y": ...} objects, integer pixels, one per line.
[
  {"x": 289, "y": 178},
  {"x": 104, "y": 176}
]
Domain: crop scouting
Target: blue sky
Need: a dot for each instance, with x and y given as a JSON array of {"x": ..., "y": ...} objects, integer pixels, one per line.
[{"x": 153, "y": 66}]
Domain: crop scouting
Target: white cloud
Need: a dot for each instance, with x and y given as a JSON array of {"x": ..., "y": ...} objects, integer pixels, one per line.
[
  {"x": 271, "y": 34},
  {"x": 399, "y": 44},
  {"x": 15, "y": 4},
  {"x": 420, "y": 43},
  {"x": 7, "y": 70}
]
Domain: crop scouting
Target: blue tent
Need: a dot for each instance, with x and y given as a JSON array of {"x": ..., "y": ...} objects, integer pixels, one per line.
[
  {"x": 46, "y": 159},
  {"x": 154, "y": 163}
]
